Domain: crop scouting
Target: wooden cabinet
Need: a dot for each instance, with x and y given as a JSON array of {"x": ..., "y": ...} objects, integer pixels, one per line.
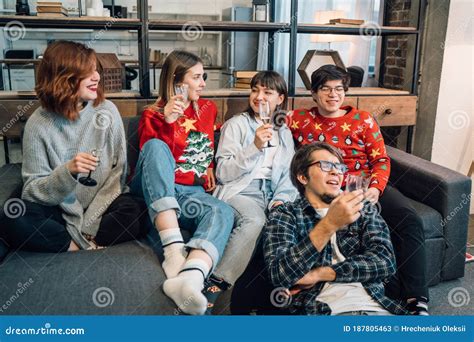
[{"x": 390, "y": 110}]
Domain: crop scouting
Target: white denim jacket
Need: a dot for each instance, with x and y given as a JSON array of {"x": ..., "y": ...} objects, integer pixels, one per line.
[{"x": 239, "y": 160}]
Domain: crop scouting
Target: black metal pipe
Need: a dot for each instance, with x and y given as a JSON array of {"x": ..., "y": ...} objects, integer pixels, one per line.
[
  {"x": 416, "y": 64},
  {"x": 293, "y": 45},
  {"x": 143, "y": 48},
  {"x": 271, "y": 39}
]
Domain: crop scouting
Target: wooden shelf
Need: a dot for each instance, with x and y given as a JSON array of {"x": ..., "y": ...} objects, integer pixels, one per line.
[
  {"x": 73, "y": 22},
  {"x": 12, "y": 95},
  {"x": 178, "y": 25},
  {"x": 230, "y": 92},
  {"x": 356, "y": 30},
  {"x": 356, "y": 91}
]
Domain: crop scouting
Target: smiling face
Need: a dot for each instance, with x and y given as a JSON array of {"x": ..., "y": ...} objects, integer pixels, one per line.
[
  {"x": 88, "y": 86},
  {"x": 321, "y": 187},
  {"x": 195, "y": 81},
  {"x": 263, "y": 94},
  {"x": 329, "y": 104}
]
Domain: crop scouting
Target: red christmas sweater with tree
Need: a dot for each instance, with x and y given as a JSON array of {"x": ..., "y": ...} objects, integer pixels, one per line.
[
  {"x": 190, "y": 139},
  {"x": 356, "y": 134}
]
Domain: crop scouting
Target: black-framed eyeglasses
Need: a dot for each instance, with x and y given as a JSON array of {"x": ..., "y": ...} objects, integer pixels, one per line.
[
  {"x": 327, "y": 166},
  {"x": 327, "y": 90},
  {"x": 204, "y": 76}
]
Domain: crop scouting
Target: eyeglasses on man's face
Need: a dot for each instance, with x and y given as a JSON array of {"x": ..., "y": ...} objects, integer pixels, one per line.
[
  {"x": 339, "y": 90},
  {"x": 327, "y": 166}
]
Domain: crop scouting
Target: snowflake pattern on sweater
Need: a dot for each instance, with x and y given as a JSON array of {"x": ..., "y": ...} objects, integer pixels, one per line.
[{"x": 356, "y": 134}]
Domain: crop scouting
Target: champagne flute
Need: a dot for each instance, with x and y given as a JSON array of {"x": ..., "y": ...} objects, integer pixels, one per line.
[
  {"x": 88, "y": 180},
  {"x": 182, "y": 90},
  {"x": 264, "y": 112}
]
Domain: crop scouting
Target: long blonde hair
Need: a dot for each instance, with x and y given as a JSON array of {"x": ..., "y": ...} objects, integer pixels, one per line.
[{"x": 174, "y": 69}]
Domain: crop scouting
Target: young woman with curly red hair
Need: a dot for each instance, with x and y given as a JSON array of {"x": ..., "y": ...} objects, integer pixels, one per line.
[{"x": 60, "y": 146}]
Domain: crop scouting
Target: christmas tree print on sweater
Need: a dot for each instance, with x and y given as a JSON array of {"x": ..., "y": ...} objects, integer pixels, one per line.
[{"x": 197, "y": 156}]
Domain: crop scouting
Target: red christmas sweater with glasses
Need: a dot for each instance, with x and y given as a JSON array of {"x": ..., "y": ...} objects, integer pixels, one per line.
[
  {"x": 356, "y": 134},
  {"x": 190, "y": 139}
]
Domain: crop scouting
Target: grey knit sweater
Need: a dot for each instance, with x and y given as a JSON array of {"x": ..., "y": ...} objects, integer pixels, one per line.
[{"x": 51, "y": 140}]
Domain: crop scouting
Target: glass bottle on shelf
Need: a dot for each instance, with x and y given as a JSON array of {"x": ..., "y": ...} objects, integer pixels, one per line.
[
  {"x": 261, "y": 10},
  {"x": 206, "y": 58}
]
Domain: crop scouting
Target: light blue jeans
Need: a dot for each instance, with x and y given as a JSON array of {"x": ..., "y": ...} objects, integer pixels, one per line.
[
  {"x": 250, "y": 207},
  {"x": 207, "y": 218}
]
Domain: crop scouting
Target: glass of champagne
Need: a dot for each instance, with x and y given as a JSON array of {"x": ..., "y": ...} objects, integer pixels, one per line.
[
  {"x": 354, "y": 183},
  {"x": 182, "y": 89},
  {"x": 265, "y": 116},
  {"x": 88, "y": 180}
]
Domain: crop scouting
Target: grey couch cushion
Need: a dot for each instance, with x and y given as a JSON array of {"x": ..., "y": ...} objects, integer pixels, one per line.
[
  {"x": 11, "y": 183},
  {"x": 84, "y": 282},
  {"x": 431, "y": 220},
  {"x": 133, "y": 146}
]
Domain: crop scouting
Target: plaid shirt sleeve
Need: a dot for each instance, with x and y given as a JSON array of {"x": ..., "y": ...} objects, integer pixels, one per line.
[
  {"x": 377, "y": 262},
  {"x": 288, "y": 257}
]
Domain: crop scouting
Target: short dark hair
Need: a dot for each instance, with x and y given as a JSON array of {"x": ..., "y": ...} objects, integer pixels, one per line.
[
  {"x": 302, "y": 159},
  {"x": 271, "y": 80},
  {"x": 329, "y": 72}
]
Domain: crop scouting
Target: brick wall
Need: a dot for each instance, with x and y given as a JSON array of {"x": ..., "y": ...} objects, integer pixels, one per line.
[{"x": 398, "y": 14}]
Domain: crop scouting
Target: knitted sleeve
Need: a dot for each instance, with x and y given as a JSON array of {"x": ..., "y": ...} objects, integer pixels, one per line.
[
  {"x": 376, "y": 154},
  {"x": 233, "y": 159},
  {"x": 153, "y": 126},
  {"x": 41, "y": 183}
]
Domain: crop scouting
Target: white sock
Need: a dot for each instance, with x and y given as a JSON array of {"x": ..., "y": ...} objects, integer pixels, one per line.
[
  {"x": 174, "y": 251},
  {"x": 185, "y": 289}
]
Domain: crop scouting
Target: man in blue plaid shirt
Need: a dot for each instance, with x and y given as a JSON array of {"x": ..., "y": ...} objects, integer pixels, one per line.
[{"x": 327, "y": 251}]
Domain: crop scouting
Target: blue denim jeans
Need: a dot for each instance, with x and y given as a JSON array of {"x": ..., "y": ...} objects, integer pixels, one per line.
[
  {"x": 250, "y": 207},
  {"x": 207, "y": 218}
]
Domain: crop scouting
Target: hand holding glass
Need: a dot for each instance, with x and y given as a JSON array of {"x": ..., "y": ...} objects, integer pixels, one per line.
[
  {"x": 354, "y": 183},
  {"x": 265, "y": 116},
  {"x": 182, "y": 90},
  {"x": 88, "y": 181}
]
